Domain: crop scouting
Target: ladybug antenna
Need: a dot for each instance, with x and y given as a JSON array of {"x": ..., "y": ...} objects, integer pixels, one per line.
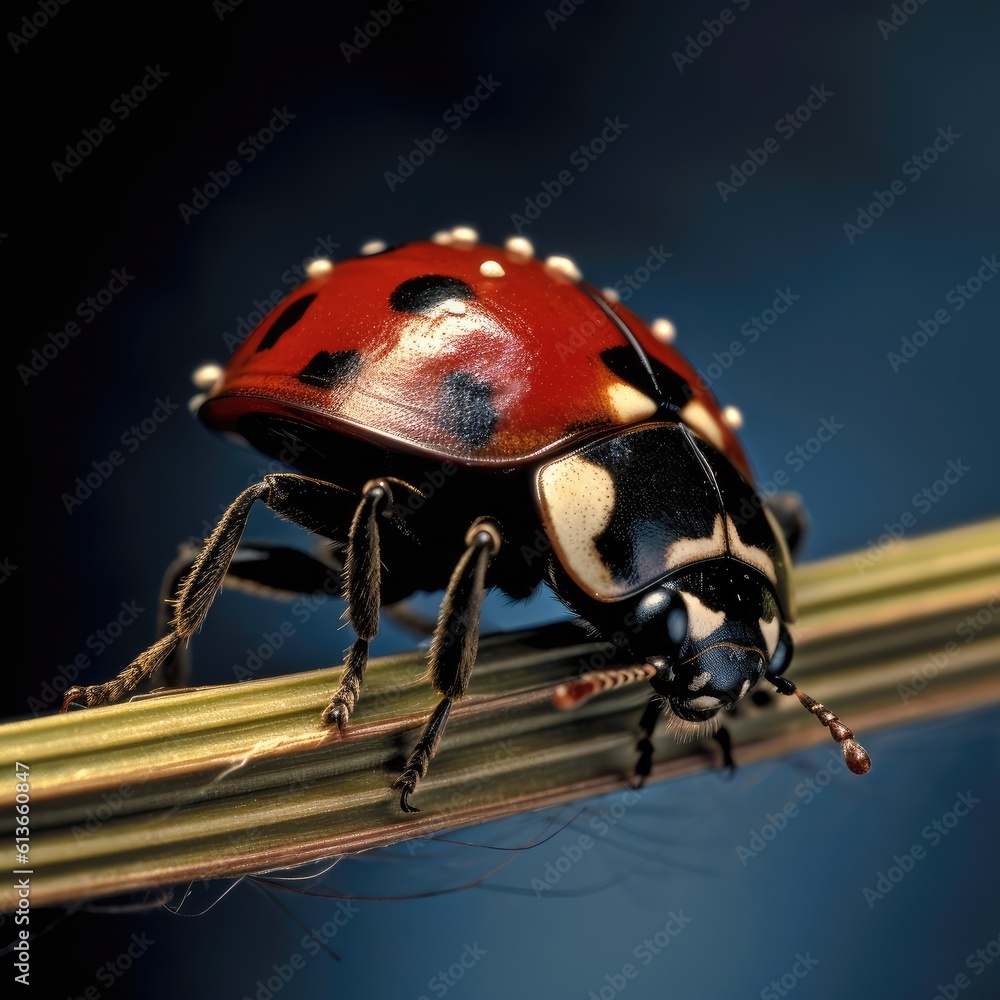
[
  {"x": 856, "y": 756},
  {"x": 575, "y": 693}
]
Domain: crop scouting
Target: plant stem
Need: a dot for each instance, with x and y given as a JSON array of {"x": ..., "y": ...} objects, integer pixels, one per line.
[{"x": 224, "y": 781}]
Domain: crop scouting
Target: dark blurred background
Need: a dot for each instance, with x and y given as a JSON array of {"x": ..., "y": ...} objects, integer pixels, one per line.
[{"x": 892, "y": 106}]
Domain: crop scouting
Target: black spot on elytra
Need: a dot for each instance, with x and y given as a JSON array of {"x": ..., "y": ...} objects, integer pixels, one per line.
[
  {"x": 670, "y": 387},
  {"x": 626, "y": 364},
  {"x": 327, "y": 370},
  {"x": 288, "y": 318},
  {"x": 466, "y": 408},
  {"x": 418, "y": 295}
]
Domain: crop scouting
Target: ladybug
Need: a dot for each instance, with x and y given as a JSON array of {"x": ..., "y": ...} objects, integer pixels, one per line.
[{"x": 555, "y": 438}]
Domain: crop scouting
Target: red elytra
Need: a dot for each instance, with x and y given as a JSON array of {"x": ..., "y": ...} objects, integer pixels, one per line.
[{"x": 529, "y": 331}]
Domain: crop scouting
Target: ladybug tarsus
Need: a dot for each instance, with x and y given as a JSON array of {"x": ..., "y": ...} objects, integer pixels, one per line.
[
  {"x": 73, "y": 695},
  {"x": 425, "y": 749},
  {"x": 644, "y": 747},
  {"x": 338, "y": 711}
]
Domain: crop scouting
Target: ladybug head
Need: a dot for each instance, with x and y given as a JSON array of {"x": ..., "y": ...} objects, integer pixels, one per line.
[{"x": 711, "y": 634}]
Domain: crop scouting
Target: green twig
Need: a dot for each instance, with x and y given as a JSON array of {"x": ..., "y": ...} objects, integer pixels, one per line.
[{"x": 230, "y": 780}]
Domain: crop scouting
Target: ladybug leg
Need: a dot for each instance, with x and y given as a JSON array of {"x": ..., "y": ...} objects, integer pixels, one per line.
[
  {"x": 647, "y": 724},
  {"x": 454, "y": 647},
  {"x": 257, "y": 567},
  {"x": 725, "y": 741},
  {"x": 363, "y": 568},
  {"x": 304, "y": 501}
]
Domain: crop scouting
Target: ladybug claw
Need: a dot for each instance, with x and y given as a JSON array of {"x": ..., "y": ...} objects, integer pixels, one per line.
[
  {"x": 337, "y": 714},
  {"x": 74, "y": 694},
  {"x": 406, "y": 782}
]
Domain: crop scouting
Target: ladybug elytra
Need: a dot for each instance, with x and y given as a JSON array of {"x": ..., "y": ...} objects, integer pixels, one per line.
[{"x": 569, "y": 444}]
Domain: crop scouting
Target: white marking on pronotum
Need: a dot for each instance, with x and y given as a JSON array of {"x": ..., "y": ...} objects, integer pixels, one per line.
[
  {"x": 702, "y": 620},
  {"x": 724, "y": 536},
  {"x": 750, "y": 554},
  {"x": 372, "y": 246},
  {"x": 689, "y": 550},
  {"x": 520, "y": 247},
  {"x": 491, "y": 269},
  {"x": 319, "y": 267},
  {"x": 629, "y": 404},
  {"x": 578, "y": 498},
  {"x": 664, "y": 330}
]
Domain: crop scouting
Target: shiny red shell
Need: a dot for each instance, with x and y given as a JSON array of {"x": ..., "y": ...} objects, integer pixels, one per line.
[{"x": 525, "y": 338}]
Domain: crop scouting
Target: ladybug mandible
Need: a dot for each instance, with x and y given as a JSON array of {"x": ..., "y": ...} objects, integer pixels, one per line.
[{"x": 571, "y": 445}]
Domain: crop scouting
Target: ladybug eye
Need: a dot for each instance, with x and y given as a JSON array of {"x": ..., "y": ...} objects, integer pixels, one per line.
[
  {"x": 666, "y": 608},
  {"x": 677, "y": 622}
]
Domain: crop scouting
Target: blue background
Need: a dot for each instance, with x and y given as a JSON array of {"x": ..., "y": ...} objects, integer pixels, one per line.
[{"x": 323, "y": 178}]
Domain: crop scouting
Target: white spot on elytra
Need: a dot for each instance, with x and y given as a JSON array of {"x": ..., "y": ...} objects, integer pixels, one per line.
[
  {"x": 664, "y": 330},
  {"x": 733, "y": 417},
  {"x": 520, "y": 247},
  {"x": 319, "y": 267},
  {"x": 372, "y": 246},
  {"x": 205, "y": 376},
  {"x": 703, "y": 422},
  {"x": 464, "y": 234},
  {"x": 611, "y": 295},
  {"x": 629, "y": 404},
  {"x": 491, "y": 269},
  {"x": 442, "y": 237},
  {"x": 565, "y": 266}
]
